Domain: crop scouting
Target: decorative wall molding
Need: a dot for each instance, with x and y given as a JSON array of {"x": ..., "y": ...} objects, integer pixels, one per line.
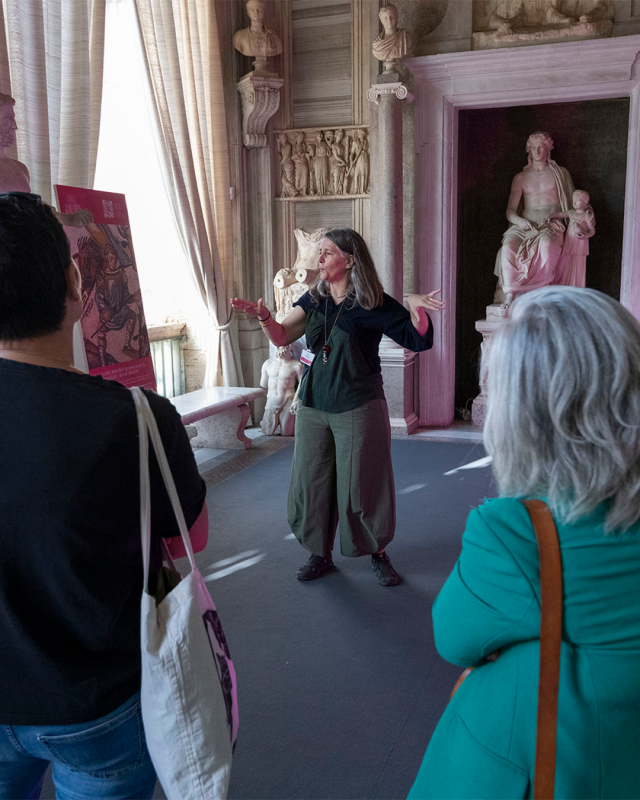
[
  {"x": 379, "y": 89},
  {"x": 445, "y": 84},
  {"x": 260, "y": 101},
  {"x": 323, "y": 163}
]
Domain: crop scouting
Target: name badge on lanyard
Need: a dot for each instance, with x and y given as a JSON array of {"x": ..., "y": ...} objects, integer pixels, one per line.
[{"x": 307, "y": 357}]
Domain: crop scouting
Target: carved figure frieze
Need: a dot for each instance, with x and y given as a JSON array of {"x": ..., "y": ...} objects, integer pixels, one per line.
[
  {"x": 509, "y": 23},
  {"x": 323, "y": 163}
]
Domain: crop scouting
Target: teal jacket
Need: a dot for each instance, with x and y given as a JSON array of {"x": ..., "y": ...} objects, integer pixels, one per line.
[{"x": 484, "y": 744}]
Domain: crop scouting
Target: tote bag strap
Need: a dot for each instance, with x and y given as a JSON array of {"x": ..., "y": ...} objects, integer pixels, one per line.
[
  {"x": 148, "y": 429},
  {"x": 550, "y": 641}
]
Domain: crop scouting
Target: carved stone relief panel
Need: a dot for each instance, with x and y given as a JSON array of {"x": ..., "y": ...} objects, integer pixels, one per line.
[
  {"x": 323, "y": 163},
  {"x": 511, "y": 23}
]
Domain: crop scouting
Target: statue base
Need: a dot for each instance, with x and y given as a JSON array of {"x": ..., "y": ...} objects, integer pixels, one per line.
[
  {"x": 544, "y": 34},
  {"x": 487, "y": 327},
  {"x": 398, "y": 374},
  {"x": 495, "y": 311}
]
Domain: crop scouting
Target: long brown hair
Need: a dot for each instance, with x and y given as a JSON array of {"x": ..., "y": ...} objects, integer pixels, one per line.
[{"x": 364, "y": 283}]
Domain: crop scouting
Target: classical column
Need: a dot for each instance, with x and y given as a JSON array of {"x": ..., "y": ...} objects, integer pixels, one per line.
[{"x": 398, "y": 364}]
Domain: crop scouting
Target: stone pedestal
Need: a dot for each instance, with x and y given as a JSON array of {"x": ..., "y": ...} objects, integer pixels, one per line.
[
  {"x": 398, "y": 370},
  {"x": 260, "y": 100},
  {"x": 487, "y": 327}
]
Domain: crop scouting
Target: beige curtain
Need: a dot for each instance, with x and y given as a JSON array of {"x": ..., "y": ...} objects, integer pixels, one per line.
[
  {"x": 55, "y": 55},
  {"x": 182, "y": 53},
  {"x": 5, "y": 77}
]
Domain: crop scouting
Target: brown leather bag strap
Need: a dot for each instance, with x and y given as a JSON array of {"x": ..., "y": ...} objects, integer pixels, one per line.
[{"x": 550, "y": 640}]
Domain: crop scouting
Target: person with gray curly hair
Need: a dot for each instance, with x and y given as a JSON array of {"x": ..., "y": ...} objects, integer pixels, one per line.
[{"x": 563, "y": 425}]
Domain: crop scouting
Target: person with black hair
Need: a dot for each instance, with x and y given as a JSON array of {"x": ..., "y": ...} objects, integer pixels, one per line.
[
  {"x": 342, "y": 458},
  {"x": 71, "y": 566}
]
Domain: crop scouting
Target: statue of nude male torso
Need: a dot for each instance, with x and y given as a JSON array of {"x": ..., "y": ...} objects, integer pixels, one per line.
[{"x": 539, "y": 193}]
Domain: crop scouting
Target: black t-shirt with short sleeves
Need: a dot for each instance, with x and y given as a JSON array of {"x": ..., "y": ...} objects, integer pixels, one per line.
[
  {"x": 352, "y": 375},
  {"x": 70, "y": 555}
]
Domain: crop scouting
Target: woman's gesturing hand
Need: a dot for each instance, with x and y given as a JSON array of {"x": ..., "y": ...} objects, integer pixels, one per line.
[
  {"x": 418, "y": 305},
  {"x": 254, "y": 309},
  {"x": 417, "y": 301}
]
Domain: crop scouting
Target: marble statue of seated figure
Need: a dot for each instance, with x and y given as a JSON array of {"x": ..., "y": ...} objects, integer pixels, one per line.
[
  {"x": 532, "y": 245},
  {"x": 14, "y": 175}
]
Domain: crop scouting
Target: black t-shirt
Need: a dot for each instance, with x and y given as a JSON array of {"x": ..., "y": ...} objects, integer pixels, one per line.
[
  {"x": 351, "y": 376},
  {"x": 70, "y": 554}
]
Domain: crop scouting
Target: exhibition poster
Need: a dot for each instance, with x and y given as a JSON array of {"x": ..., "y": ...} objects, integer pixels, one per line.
[{"x": 114, "y": 330}]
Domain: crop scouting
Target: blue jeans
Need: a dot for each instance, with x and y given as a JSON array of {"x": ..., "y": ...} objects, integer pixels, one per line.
[{"x": 104, "y": 758}]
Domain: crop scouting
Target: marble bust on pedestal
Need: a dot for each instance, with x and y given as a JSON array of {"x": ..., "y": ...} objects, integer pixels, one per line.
[
  {"x": 393, "y": 43},
  {"x": 257, "y": 40}
]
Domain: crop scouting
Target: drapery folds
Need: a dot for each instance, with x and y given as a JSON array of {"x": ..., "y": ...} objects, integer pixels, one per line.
[
  {"x": 55, "y": 56},
  {"x": 182, "y": 53}
]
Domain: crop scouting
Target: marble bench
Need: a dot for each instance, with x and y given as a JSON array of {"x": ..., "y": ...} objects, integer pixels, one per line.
[{"x": 219, "y": 413}]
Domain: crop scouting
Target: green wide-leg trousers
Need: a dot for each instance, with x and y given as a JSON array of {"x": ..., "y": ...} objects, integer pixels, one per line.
[{"x": 342, "y": 471}]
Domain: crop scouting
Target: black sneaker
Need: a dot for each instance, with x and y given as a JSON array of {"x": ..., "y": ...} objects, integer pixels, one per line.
[
  {"x": 386, "y": 574},
  {"x": 315, "y": 567}
]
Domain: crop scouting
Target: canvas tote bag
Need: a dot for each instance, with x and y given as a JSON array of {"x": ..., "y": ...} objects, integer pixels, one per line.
[{"x": 188, "y": 695}]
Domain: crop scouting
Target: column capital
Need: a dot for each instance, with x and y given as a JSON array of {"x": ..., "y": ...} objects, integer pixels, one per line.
[{"x": 398, "y": 89}]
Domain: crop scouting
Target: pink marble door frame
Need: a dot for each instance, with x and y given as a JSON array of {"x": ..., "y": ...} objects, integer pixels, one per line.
[{"x": 445, "y": 84}]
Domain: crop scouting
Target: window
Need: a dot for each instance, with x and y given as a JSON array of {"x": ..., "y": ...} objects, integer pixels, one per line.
[{"x": 127, "y": 163}]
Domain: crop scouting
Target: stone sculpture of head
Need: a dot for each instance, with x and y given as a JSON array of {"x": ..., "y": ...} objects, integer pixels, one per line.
[
  {"x": 542, "y": 140},
  {"x": 283, "y": 352},
  {"x": 388, "y": 16},
  {"x": 580, "y": 198},
  {"x": 255, "y": 10},
  {"x": 8, "y": 125}
]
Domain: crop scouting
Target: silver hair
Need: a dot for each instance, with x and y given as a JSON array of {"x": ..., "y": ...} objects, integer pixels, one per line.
[{"x": 563, "y": 404}]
